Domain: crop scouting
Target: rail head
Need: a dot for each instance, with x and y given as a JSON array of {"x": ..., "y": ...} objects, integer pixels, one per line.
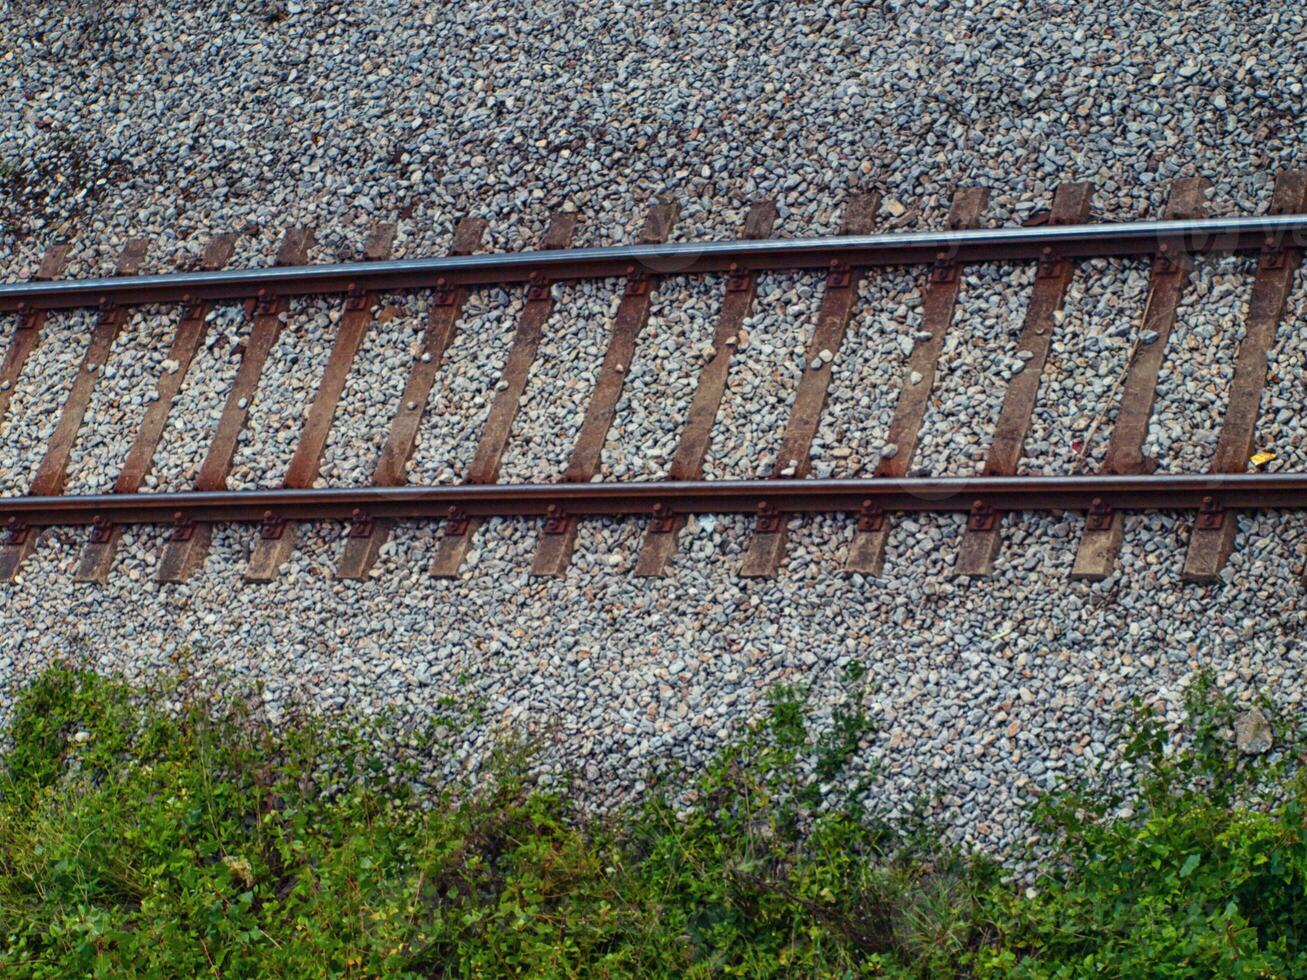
[
  {"x": 965, "y": 246},
  {"x": 1201, "y": 492}
]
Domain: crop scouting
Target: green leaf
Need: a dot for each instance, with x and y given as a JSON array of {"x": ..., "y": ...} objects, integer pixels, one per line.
[{"x": 1190, "y": 863}]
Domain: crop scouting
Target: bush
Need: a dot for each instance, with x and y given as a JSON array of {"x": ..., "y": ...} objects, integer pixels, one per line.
[
  {"x": 1197, "y": 867},
  {"x": 136, "y": 840}
]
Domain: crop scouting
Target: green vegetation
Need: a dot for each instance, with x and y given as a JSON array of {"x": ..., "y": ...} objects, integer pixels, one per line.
[{"x": 140, "y": 841}]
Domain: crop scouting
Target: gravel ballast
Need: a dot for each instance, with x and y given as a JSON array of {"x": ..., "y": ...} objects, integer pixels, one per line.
[
  {"x": 127, "y": 385},
  {"x": 465, "y": 387},
  {"x": 200, "y": 403},
  {"x": 39, "y": 396},
  {"x": 182, "y": 121},
  {"x": 765, "y": 371}
]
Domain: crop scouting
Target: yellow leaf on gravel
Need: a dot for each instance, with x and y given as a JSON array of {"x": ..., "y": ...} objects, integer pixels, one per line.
[{"x": 1262, "y": 458}]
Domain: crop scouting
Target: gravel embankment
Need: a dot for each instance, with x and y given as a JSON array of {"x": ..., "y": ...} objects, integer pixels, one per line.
[{"x": 187, "y": 120}]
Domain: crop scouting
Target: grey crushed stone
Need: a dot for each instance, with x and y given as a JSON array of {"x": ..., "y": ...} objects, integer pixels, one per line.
[
  {"x": 661, "y": 380},
  {"x": 866, "y": 375}
]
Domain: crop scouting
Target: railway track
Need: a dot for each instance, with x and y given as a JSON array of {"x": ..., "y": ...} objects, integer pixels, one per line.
[{"x": 1125, "y": 483}]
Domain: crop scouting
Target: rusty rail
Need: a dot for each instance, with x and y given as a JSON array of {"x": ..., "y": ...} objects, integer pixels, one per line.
[
  {"x": 1212, "y": 492},
  {"x": 1071, "y": 241}
]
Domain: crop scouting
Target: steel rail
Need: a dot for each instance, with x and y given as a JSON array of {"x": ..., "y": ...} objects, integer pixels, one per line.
[
  {"x": 1242, "y": 491},
  {"x": 1220, "y": 235}
]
